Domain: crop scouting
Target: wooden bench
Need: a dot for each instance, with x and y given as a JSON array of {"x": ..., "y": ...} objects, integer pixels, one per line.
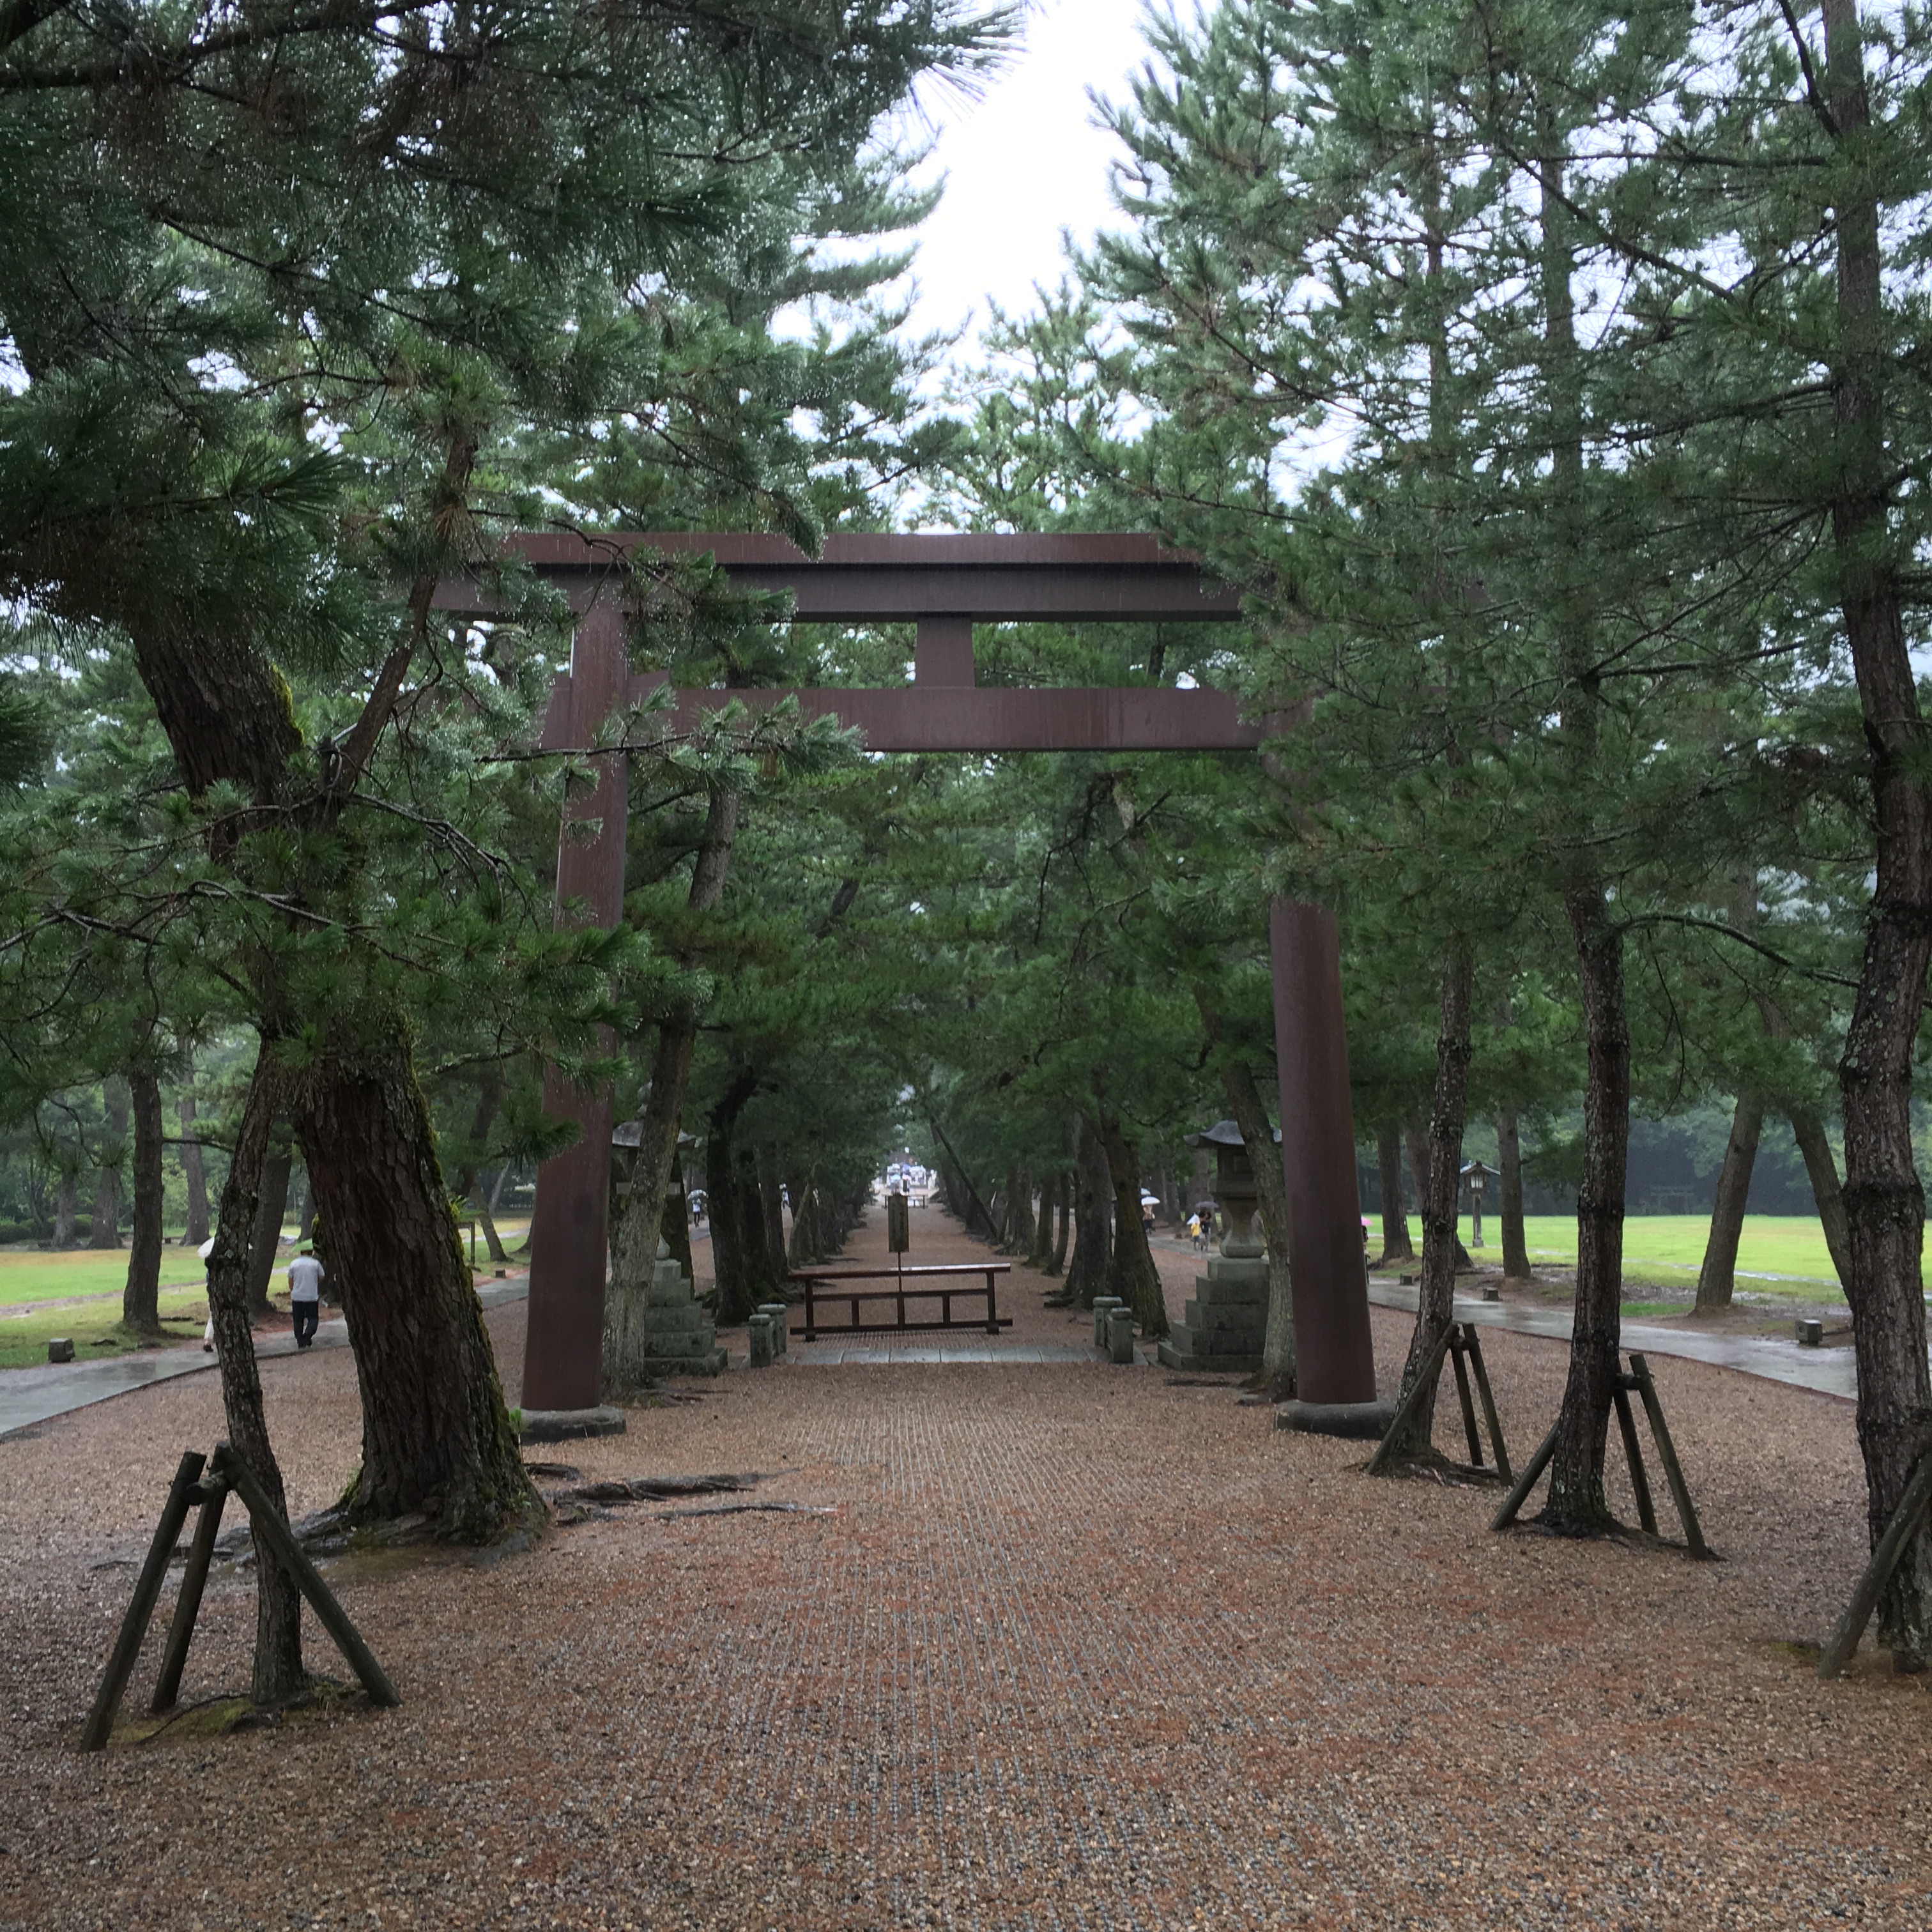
[{"x": 816, "y": 1282}]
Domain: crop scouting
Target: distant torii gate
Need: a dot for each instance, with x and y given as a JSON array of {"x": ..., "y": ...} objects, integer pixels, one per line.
[{"x": 944, "y": 584}]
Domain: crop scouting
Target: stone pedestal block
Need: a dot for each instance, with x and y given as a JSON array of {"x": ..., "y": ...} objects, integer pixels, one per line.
[
  {"x": 679, "y": 1338},
  {"x": 1226, "y": 1322}
]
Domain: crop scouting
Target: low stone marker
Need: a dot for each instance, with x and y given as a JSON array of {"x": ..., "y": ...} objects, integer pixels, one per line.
[
  {"x": 1811, "y": 1332},
  {"x": 1120, "y": 1343},
  {"x": 758, "y": 1332},
  {"x": 1104, "y": 1306},
  {"x": 60, "y": 1349}
]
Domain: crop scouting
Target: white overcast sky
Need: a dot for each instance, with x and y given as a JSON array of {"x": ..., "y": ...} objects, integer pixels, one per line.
[{"x": 1024, "y": 162}]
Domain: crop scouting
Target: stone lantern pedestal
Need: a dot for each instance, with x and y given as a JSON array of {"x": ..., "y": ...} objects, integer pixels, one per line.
[
  {"x": 1225, "y": 1324},
  {"x": 679, "y": 1338}
]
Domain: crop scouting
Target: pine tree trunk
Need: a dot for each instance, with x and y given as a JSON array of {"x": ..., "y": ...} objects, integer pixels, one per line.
[
  {"x": 1397, "y": 1245},
  {"x": 771, "y": 1198},
  {"x": 1278, "y": 1374},
  {"x": 1064, "y": 1193},
  {"x": 278, "y": 1671},
  {"x": 1884, "y": 1206},
  {"x": 140, "y": 1299},
  {"x": 1809, "y": 1132},
  {"x": 194, "y": 1169},
  {"x": 436, "y": 1436},
  {"x": 1717, "y": 1276},
  {"x": 469, "y": 1187},
  {"x": 1040, "y": 1253},
  {"x": 1094, "y": 1217},
  {"x": 1132, "y": 1274},
  {"x": 754, "y": 1252},
  {"x": 675, "y": 1223},
  {"x": 736, "y": 1235},
  {"x": 1509, "y": 1158},
  {"x": 67, "y": 1210},
  {"x": 634, "y": 1247},
  {"x": 1019, "y": 1210},
  {"x": 1435, "y": 1304},
  {"x": 271, "y": 1201},
  {"x": 1576, "y": 1505},
  {"x": 105, "y": 1231}
]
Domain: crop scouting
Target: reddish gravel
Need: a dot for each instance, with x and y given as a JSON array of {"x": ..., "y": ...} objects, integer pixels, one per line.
[{"x": 1079, "y": 1648}]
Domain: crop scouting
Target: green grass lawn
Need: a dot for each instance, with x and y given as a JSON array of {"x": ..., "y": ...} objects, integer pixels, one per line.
[
  {"x": 26, "y": 1274},
  {"x": 96, "y": 1328},
  {"x": 1784, "y": 1251}
]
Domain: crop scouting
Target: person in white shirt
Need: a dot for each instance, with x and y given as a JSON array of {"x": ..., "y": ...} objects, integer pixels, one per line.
[{"x": 305, "y": 1296}]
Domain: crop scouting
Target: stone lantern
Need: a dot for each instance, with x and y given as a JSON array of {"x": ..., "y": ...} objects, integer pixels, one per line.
[
  {"x": 1226, "y": 1322},
  {"x": 1474, "y": 1175}
]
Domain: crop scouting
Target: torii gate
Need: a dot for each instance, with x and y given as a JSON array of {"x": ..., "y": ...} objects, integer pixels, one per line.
[{"x": 944, "y": 584}]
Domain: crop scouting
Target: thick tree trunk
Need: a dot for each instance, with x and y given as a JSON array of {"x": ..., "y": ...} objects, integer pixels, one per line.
[
  {"x": 1397, "y": 1245},
  {"x": 634, "y": 1249},
  {"x": 105, "y": 1231},
  {"x": 1509, "y": 1158},
  {"x": 271, "y": 1201},
  {"x": 1576, "y": 1505},
  {"x": 1718, "y": 1275},
  {"x": 1884, "y": 1206},
  {"x": 278, "y": 1671},
  {"x": 1809, "y": 1132},
  {"x": 1435, "y": 1305},
  {"x": 1063, "y": 1232},
  {"x": 1093, "y": 1219},
  {"x": 140, "y": 1299},
  {"x": 194, "y": 1170},
  {"x": 436, "y": 1436},
  {"x": 66, "y": 1209},
  {"x": 1132, "y": 1274},
  {"x": 1278, "y": 1374}
]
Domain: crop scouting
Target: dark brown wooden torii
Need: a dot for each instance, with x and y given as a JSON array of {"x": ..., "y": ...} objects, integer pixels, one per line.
[{"x": 943, "y": 584}]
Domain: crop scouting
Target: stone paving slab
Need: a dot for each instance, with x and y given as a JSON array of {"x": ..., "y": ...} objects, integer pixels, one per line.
[
  {"x": 1824, "y": 1371},
  {"x": 29, "y": 1397}
]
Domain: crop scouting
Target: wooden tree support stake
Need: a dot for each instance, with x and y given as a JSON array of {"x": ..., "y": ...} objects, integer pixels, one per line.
[
  {"x": 269, "y": 1526},
  {"x": 1907, "y": 1519},
  {"x": 147, "y": 1593},
  {"x": 1458, "y": 1341},
  {"x": 213, "y": 1493},
  {"x": 226, "y": 1470},
  {"x": 1637, "y": 1380}
]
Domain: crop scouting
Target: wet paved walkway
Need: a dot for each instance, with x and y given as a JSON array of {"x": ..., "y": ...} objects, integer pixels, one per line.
[
  {"x": 1825, "y": 1371},
  {"x": 37, "y": 1395}
]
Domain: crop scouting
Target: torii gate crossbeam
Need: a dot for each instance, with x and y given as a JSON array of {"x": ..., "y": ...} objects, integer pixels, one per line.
[{"x": 944, "y": 584}]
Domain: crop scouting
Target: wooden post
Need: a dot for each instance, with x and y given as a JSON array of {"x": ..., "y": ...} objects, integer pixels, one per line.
[
  {"x": 1666, "y": 1451},
  {"x": 214, "y": 1493},
  {"x": 1489, "y": 1416},
  {"x": 275, "y": 1533},
  {"x": 1423, "y": 1387},
  {"x": 1906, "y": 1522},
  {"x": 1646, "y": 1511},
  {"x": 1525, "y": 1483},
  {"x": 147, "y": 1591},
  {"x": 1469, "y": 1406},
  {"x": 992, "y": 1313}
]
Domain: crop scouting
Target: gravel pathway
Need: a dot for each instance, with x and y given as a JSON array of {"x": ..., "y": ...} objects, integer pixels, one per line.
[{"x": 1079, "y": 1647}]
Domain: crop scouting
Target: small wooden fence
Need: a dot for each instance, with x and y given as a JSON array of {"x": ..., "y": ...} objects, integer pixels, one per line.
[{"x": 907, "y": 1285}]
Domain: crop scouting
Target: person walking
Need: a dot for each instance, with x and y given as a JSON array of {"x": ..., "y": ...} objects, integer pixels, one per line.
[{"x": 305, "y": 1296}]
